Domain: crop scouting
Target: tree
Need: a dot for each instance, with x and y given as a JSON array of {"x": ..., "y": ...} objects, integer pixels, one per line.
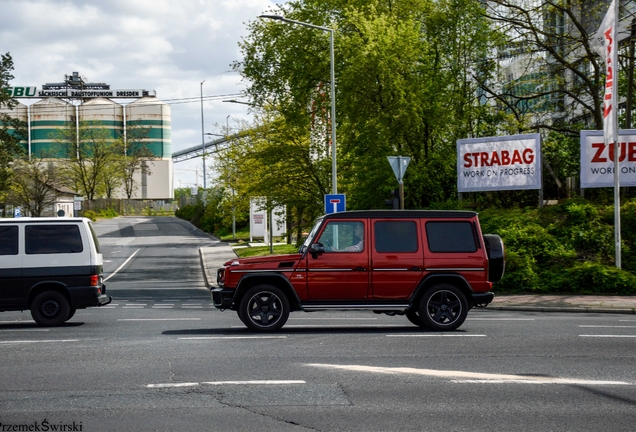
[
  {"x": 35, "y": 185},
  {"x": 404, "y": 86},
  {"x": 272, "y": 159},
  {"x": 555, "y": 78},
  {"x": 12, "y": 130},
  {"x": 90, "y": 152},
  {"x": 134, "y": 155}
]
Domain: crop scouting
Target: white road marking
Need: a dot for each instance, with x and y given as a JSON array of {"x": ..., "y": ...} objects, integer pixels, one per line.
[
  {"x": 25, "y": 330},
  {"x": 609, "y": 336},
  {"x": 345, "y": 326},
  {"x": 172, "y": 385},
  {"x": 159, "y": 319},
  {"x": 500, "y": 319},
  {"x": 217, "y": 383},
  {"x": 462, "y": 376},
  {"x": 231, "y": 337},
  {"x": 255, "y": 382},
  {"x": 38, "y": 341},
  {"x": 605, "y": 326},
  {"x": 137, "y": 304},
  {"x": 334, "y": 319},
  {"x": 122, "y": 266},
  {"x": 437, "y": 335}
]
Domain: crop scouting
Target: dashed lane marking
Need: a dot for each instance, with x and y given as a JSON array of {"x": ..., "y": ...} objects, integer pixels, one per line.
[
  {"x": 38, "y": 341},
  {"x": 609, "y": 336},
  {"x": 437, "y": 335},
  {"x": 219, "y": 383},
  {"x": 159, "y": 319},
  {"x": 230, "y": 337}
]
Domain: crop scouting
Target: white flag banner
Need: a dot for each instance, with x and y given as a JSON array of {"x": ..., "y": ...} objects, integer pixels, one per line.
[
  {"x": 499, "y": 163},
  {"x": 605, "y": 44}
]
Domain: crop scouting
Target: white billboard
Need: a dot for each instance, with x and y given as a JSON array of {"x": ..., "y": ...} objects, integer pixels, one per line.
[
  {"x": 499, "y": 163},
  {"x": 597, "y": 159}
]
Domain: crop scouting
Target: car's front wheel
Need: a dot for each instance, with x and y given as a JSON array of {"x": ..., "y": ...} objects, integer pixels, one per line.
[
  {"x": 50, "y": 309},
  {"x": 443, "y": 307},
  {"x": 264, "y": 308}
]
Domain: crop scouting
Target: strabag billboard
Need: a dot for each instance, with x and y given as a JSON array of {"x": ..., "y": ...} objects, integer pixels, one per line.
[
  {"x": 499, "y": 163},
  {"x": 597, "y": 159}
]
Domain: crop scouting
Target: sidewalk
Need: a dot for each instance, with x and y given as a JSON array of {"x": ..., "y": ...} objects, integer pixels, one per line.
[{"x": 213, "y": 257}]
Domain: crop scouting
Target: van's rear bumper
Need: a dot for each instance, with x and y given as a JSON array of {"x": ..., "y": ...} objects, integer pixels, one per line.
[{"x": 83, "y": 297}]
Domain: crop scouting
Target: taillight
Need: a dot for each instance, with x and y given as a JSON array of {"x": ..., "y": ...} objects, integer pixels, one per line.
[{"x": 94, "y": 280}]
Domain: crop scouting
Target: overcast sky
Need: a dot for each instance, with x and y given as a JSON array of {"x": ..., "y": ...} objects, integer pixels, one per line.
[{"x": 166, "y": 45}]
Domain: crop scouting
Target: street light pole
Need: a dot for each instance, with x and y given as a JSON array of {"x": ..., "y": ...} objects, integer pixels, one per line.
[
  {"x": 334, "y": 185},
  {"x": 203, "y": 143}
]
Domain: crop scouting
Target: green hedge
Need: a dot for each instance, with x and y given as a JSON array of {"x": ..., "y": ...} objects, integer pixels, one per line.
[{"x": 568, "y": 248}]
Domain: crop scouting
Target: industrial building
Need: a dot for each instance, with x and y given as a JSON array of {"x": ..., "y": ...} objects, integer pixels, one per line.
[{"x": 74, "y": 101}]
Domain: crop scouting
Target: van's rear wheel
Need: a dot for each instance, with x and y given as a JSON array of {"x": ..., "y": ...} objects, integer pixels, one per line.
[
  {"x": 50, "y": 309},
  {"x": 264, "y": 308},
  {"x": 443, "y": 307}
]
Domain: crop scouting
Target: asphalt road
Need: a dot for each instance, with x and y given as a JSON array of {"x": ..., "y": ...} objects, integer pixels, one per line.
[{"x": 162, "y": 358}]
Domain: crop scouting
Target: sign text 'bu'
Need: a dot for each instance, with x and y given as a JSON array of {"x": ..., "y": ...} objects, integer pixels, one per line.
[{"x": 499, "y": 163}]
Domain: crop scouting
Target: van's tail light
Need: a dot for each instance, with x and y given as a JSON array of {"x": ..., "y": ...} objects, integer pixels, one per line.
[{"x": 94, "y": 280}]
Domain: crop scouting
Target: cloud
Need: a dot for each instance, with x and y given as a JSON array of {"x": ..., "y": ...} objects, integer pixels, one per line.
[{"x": 166, "y": 45}]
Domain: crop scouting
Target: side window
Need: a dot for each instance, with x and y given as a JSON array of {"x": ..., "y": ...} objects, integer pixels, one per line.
[
  {"x": 8, "y": 240},
  {"x": 450, "y": 236},
  {"x": 395, "y": 236},
  {"x": 343, "y": 237},
  {"x": 53, "y": 239}
]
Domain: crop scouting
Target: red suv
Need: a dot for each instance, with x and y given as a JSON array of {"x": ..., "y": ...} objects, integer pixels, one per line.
[{"x": 432, "y": 266}]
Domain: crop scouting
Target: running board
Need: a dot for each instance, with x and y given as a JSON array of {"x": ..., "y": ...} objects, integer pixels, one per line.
[{"x": 350, "y": 306}]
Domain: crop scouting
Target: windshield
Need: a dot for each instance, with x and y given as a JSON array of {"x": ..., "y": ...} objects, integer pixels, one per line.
[{"x": 311, "y": 236}]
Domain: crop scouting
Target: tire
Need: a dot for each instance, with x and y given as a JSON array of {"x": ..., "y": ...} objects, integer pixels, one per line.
[
  {"x": 50, "y": 309},
  {"x": 264, "y": 308},
  {"x": 414, "y": 318},
  {"x": 443, "y": 307},
  {"x": 70, "y": 314}
]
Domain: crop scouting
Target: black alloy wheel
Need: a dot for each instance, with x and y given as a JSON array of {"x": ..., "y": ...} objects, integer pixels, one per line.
[
  {"x": 264, "y": 308},
  {"x": 412, "y": 316},
  {"x": 443, "y": 307},
  {"x": 50, "y": 309}
]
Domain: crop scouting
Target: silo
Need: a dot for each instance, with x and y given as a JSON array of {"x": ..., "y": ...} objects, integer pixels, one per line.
[
  {"x": 103, "y": 113},
  {"x": 151, "y": 113},
  {"x": 51, "y": 122},
  {"x": 20, "y": 111}
]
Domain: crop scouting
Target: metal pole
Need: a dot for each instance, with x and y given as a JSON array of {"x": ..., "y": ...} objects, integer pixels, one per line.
[
  {"x": 334, "y": 181},
  {"x": 617, "y": 185},
  {"x": 334, "y": 184},
  {"x": 203, "y": 143}
]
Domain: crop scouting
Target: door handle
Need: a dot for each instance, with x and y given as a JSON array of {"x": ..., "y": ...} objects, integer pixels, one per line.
[
  {"x": 415, "y": 268},
  {"x": 359, "y": 269}
]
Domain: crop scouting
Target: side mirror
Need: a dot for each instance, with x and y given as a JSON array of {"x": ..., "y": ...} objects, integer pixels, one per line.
[{"x": 315, "y": 249}]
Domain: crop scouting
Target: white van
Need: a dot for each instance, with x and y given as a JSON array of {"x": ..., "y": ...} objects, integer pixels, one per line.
[{"x": 52, "y": 266}]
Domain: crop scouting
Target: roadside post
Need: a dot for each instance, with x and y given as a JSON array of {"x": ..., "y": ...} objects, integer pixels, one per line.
[{"x": 399, "y": 165}]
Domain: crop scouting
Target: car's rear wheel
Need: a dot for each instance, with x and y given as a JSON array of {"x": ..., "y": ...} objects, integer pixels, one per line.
[
  {"x": 264, "y": 308},
  {"x": 50, "y": 309},
  {"x": 412, "y": 316},
  {"x": 443, "y": 307}
]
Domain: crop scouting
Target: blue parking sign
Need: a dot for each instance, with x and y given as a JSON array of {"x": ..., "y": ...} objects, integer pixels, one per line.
[{"x": 335, "y": 203}]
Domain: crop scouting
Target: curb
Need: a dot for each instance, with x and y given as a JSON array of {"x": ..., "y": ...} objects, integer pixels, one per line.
[
  {"x": 206, "y": 271},
  {"x": 582, "y": 309}
]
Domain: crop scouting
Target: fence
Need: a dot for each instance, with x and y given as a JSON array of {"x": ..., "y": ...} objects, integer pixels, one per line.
[{"x": 131, "y": 207}]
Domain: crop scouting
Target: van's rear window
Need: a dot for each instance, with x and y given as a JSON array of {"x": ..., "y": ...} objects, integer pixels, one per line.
[
  {"x": 450, "y": 237},
  {"x": 8, "y": 240},
  {"x": 53, "y": 239}
]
